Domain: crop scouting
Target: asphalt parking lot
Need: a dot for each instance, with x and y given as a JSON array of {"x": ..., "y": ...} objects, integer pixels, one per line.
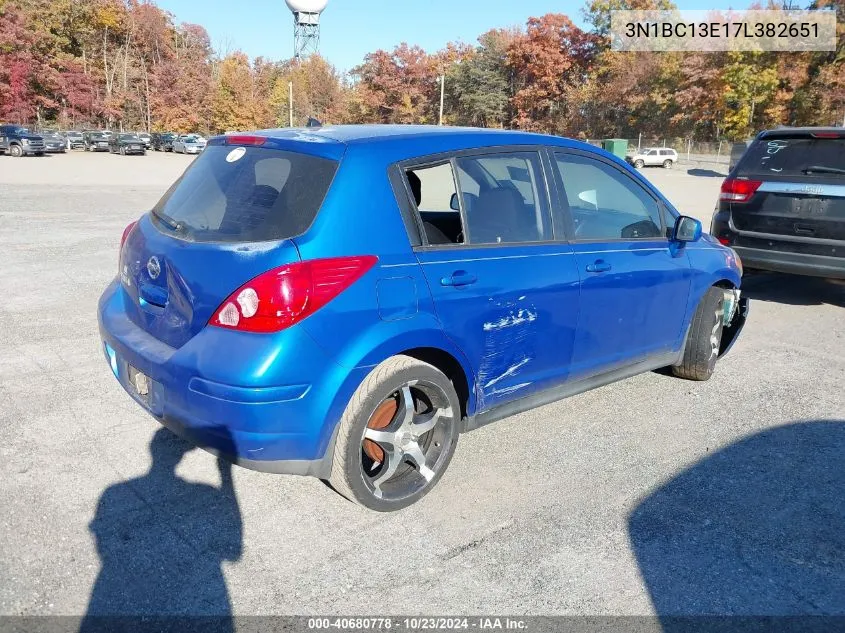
[{"x": 653, "y": 495}]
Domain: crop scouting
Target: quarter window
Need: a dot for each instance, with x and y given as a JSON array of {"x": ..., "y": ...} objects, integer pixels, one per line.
[
  {"x": 604, "y": 203},
  {"x": 435, "y": 196}
]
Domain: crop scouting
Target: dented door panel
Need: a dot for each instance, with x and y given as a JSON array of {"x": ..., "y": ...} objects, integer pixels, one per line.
[{"x": 515, "y": 322}]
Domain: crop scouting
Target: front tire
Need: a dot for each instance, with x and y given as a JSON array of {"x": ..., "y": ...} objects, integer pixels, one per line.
[
  {"x": 16, "y": 151},
  {"x": 704, "y": 339},
  {"x": 397, "y": 435}
]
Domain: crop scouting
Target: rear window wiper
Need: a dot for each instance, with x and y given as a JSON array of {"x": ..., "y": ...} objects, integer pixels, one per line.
[
  {"x": 821, "y": 169},
  {"x": 172, "y": 224}
]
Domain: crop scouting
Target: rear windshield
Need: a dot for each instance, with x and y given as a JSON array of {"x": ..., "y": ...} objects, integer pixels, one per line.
[
  {"x": 791, "y": 156},
  {"x": 245, "y": 194}
]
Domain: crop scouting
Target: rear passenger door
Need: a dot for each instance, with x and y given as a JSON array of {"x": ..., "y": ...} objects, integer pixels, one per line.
[
  {"x": 505, "y": 290},
  {"x": 634, "y": 282}
]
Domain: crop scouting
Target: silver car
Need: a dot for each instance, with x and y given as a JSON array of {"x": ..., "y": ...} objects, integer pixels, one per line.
[{"x": 189, "y": 144}]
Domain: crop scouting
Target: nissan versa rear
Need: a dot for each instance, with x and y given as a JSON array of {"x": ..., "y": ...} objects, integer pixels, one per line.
[{"x": 344, "y": 302}]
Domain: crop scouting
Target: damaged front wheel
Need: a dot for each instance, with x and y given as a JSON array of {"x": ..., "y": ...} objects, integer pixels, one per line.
[{"x": 704, "y": 339}]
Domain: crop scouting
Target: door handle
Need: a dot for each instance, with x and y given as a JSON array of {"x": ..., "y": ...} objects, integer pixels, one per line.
[
  {"x": 459, "y": 278},
  {"x": 598, "y": 266}
]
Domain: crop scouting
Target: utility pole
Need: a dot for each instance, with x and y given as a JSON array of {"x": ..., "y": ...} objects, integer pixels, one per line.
[
  {"x": 442, "y": 95},
  {"x": 290, "y": 103}
]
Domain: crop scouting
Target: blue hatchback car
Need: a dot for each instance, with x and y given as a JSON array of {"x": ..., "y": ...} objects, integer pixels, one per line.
[{"x": 343, "y": 302}]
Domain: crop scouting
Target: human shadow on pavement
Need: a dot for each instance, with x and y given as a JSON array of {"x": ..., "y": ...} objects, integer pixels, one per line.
[
  {"x": 755, "y": 529},
  {"x": 793, "y": 289},
  {"x": 161, "y": 542}
]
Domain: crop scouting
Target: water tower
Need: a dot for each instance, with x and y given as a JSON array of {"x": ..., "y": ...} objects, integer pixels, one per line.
[{"x": 306, "y": 25}]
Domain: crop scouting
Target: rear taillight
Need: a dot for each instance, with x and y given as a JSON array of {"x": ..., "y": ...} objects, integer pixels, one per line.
[
  {"x": 284, "y": 296},
  {"x": 738, "y": 190},
  {"x": 724, "y": 241},
  {"x": 126, "y": 233}
]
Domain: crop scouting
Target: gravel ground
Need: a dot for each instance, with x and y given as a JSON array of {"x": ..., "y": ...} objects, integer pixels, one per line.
[{"x": 653, "y": 495}]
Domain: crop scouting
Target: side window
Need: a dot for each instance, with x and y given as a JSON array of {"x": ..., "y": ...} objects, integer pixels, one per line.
[
  {"x": 503, "y": 198},
  {"x": 604, "y": 203},
  {"x": 435, "y": 196}
]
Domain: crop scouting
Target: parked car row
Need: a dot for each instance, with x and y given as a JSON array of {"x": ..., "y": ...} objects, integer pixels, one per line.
[
  {"x": 17, "y": 140},
  {"x": 178, "y": 143}
]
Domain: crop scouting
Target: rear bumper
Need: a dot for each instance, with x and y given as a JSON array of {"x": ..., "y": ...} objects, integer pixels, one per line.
[
  {"x": 224, "y": 393},
  {"x": 794, "y": 263},
  {"x": 784, "y": 254}
]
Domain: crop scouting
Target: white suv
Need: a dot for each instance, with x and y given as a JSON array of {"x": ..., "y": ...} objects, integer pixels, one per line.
[{"x": 651, "y": 156}]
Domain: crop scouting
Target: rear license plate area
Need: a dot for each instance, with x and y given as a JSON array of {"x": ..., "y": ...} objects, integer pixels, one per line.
[{"x": 140, "y": 385}]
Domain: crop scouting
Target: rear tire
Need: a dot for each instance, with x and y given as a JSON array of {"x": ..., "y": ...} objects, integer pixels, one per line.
[
  {"x": 667, "y": 164},
  {"x": 638, "y": 164},
  {"x": 384, "y": 475},
  {"x": 704, "y": 339}
]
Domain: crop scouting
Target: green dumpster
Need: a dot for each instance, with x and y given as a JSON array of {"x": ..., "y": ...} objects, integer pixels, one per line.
[{"x": 616, "y": 146}]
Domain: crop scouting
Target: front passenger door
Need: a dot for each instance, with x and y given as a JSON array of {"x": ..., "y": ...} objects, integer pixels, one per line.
[{"x": 634, "y": 282}]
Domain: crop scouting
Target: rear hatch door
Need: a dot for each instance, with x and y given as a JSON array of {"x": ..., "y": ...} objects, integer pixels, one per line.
[
  {"x": 228, "y": 219},
  {"x": 802, "y": 186}
]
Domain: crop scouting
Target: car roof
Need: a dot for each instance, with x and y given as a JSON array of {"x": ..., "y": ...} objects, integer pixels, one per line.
[
  {"x": 390, "y": 133},
  {"x": 800, "y": 131},
  {"x": 400, "y": 142}
]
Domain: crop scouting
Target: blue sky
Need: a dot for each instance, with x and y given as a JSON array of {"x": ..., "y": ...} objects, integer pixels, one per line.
[{"x": 352, "y": 28}]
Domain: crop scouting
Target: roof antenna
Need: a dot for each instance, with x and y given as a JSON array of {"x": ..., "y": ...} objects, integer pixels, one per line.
[{"x": 312, "y": 122}]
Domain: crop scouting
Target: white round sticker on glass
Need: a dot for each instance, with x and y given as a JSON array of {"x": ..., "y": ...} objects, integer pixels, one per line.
[{"x": 235, "y": 154}]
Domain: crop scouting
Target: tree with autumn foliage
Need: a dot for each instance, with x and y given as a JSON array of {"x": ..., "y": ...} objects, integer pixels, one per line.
[
  {"x": 399, "y": 86},
  {"x": 549, "y": 64},
  {"x": 127, "y": 64}
]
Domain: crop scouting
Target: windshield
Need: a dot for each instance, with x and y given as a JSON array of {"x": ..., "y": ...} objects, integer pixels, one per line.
[
  {"x": 97, "y": 135},
  {"x": 794, "y": 156},
  {"x": 245, "y": 194},
  {"x": 74, "y": 134},
  {"x": 128, "y": 137}
]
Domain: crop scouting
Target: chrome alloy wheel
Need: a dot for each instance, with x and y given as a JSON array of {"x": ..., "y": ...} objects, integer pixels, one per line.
[{"x": 407, "y": 440}]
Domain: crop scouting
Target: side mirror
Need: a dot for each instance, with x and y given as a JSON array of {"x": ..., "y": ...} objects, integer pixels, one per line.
[
  {"x": 453, "y": 203},
  {"x": 687, "y": 229}
]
